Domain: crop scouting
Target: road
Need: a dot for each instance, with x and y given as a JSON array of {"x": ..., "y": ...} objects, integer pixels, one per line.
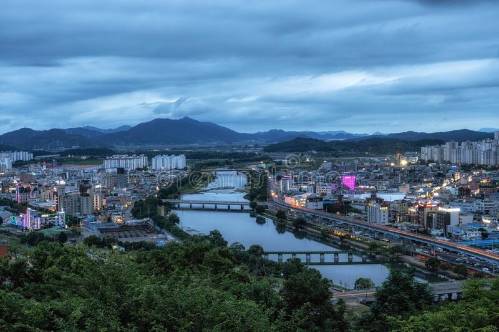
[
  {"x": 439, "y": 288},
  {"x": 489, "y": 256}
]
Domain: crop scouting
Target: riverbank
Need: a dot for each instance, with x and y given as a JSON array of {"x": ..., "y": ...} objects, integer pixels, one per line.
[
  {"x": 360, "y": 247},
  {"x": 243, "y": 229}
]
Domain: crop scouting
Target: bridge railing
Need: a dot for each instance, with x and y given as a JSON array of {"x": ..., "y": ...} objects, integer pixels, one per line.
[{"x": 338, "y": 257}]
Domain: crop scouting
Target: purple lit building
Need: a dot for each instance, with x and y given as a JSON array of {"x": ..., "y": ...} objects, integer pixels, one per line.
[{"x": 348, "y": 182}]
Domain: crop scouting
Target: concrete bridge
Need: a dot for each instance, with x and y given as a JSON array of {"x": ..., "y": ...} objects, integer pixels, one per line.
[
  {"x": 441, "y": 291},
  {"x": 321, "y": 257},
  {"x": 452, "y": 290},
  {"x": 231, "y": 206}
]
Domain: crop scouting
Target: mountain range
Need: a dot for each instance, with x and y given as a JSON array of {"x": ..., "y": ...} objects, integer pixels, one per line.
[
  {"x": 375, "y": 145},
  {"x": 489, "y": 130},
  {"x": 453, "y": 135},
  {"x": 187, "y": 131},
  {"x": 89, "y": 131}
]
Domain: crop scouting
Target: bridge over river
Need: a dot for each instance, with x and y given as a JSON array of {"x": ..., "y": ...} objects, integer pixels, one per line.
[
  {"x": 207, "y": 205},
  {"x": 441, "y": 291},
  {"x": 321, "y": 257},
  {"x": 392, "y": 232}
]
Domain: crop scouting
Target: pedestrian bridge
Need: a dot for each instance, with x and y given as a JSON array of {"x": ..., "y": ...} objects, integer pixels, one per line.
[
  {"x": 320, "y": 257},
  {"x": 232, "y": 206}
]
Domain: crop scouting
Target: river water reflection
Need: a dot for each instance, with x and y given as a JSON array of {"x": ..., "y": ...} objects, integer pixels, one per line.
[{"x": 242, "y": 228}]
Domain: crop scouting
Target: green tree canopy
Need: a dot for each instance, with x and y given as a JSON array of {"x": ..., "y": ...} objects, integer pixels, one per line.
[
  {"x": 299, "y": 223},
  {"x": 199, "y": 284},
  {"x": 173, "y": 218},
  {"x": 477, "y": 311},
  {"x": 432, "y": 264},
  {"x": 363, "y": 283},
  {"x": 399, "y": 296},
  {"x": 281, "y": 215}
]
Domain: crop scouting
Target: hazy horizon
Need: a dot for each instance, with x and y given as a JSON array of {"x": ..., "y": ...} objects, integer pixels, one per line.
[{"x": 483, "y": 129}]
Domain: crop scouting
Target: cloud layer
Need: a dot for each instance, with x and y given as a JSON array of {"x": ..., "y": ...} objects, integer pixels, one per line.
[{"x": 364, "y": 66}]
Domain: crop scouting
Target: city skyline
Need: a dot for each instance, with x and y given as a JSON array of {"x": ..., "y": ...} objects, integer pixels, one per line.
[{"x": 388, "y": 66}]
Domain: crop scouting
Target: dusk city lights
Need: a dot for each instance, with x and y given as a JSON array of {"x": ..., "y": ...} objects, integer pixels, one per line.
[{"x": 276, "y": 166}]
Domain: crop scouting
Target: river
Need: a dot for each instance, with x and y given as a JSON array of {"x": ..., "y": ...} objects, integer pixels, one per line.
[{"x": 242, "y": 228}]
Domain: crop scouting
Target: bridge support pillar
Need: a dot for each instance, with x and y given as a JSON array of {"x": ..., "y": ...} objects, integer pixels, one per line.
[
  {"x": 307, "y": 258},
  {"x": 322, "y": 257},
  {"x": 364, "y": 259},
  {"x": 202, "y": 205},
  {"x": 190, "y": 206},
  {"x": 293, "y": 255},
  {"x": 336, "y": 258},
  {"x": 216, "y": 208},
  {"x": 228, "y": 206},
  {"x": 242, "y": 207},
  {"x": 350, "y": 257},
  {"x": 279, "y": 257}
]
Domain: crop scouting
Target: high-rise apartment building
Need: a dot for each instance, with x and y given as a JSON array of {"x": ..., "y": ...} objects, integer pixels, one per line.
[
  {"x": 5, "y": 164},
  {"x": 377, "y": 213},
  {"x": 165, "y": 162},
  {"x": 17, "y": 155},
  {"x": 442, "y": 218},
  {"x": 484, "y": 152},
  {"x": 126, "y": 162},
  {"x": 78, "y": 203}
]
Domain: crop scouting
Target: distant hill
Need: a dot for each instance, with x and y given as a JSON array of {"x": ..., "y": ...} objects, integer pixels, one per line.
[
  {"x": 453, "y": 135},
  {"x": 89, "y": 131},
  {"x": 489, "y": 130},
  {"x": 53, "y": 139},
  {"x": 187, "y": 131},
  {"x": 369, "y": 146},
  {"x": 96, "y": 152},
  {"x": 6, "y": 148},
  {"x": 167, "y": 131},
  {"x": 278, "y": 135}
]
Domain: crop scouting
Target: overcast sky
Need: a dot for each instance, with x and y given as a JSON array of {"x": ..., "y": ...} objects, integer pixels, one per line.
[{"x": 355, "y": 65}]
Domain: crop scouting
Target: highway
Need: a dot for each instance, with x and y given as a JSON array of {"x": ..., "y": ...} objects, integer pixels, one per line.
[{"x": 452, "y": 246}]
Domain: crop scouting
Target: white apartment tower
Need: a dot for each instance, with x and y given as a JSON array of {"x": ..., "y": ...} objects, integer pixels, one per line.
[
  {"x": 165, "y": 162},
  {"x": 126, "y": 162},
  {"x": 485, "y": 152},
  {"x": 377, "y": 213}
]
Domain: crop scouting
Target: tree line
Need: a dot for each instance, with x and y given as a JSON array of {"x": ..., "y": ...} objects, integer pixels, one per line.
[{"x": 203, "y": 283}]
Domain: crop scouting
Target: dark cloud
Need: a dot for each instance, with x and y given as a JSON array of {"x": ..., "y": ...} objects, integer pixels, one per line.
[{"x": 317, "y": 64}]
